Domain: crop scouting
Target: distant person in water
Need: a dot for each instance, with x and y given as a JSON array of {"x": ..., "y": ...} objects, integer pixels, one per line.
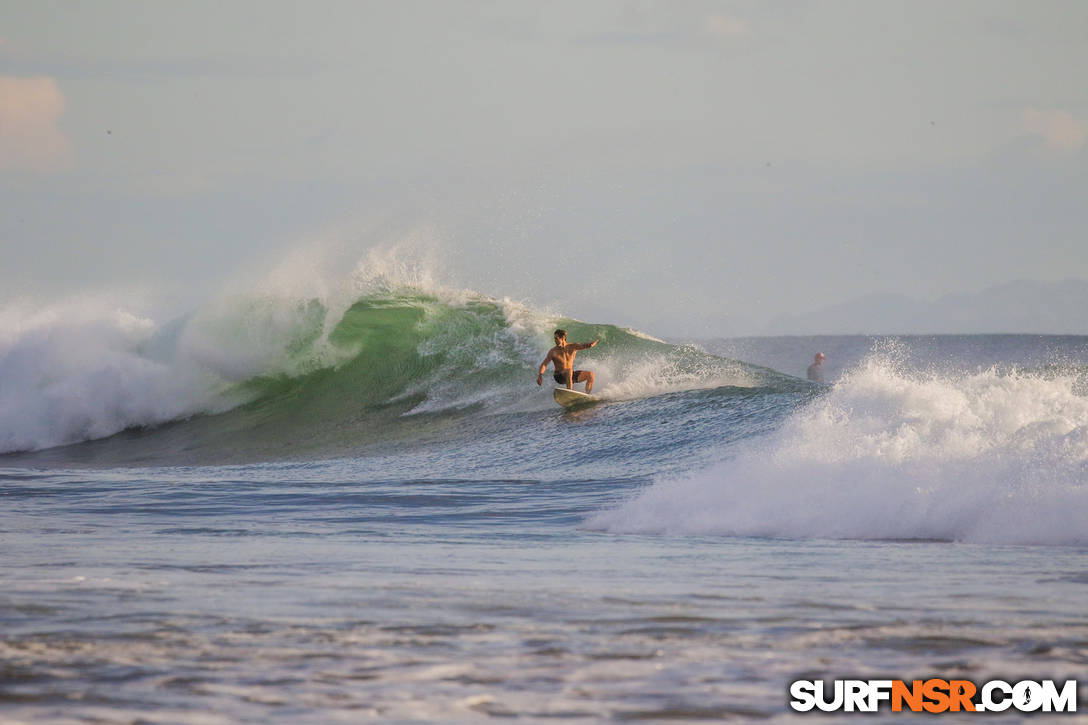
[
  {"x": 816, "y": 369},
  {"x": 562, "y": 357}
]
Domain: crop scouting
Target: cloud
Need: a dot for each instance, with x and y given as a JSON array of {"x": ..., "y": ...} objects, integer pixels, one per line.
[
  {"x": 1059, "y": 128},
  {"x": 723, "y": 26},
  {"x": 30, "y": 139}
]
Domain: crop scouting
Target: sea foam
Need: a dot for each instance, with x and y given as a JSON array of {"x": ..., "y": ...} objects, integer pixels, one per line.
[
  {"x": 891, "y": 454},
  {"x": 89, "y": 366}
]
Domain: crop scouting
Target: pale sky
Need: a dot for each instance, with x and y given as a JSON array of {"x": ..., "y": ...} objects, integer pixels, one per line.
[{"x": 697, "y": 166}]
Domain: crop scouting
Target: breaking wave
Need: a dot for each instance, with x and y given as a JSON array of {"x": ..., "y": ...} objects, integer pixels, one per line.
[
  {"x": 990, "y": 456},
  {"x": 311, "y": 366}
]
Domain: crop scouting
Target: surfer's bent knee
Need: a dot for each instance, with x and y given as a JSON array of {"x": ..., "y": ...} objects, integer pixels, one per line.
[{"x": 584, "y": 376}]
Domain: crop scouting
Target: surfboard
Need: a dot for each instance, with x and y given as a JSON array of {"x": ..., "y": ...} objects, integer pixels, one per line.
[{"x": 573, "y": 398}]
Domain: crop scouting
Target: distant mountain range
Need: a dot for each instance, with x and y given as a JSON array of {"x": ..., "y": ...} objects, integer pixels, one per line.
[{"x": 1021, "y": 306}]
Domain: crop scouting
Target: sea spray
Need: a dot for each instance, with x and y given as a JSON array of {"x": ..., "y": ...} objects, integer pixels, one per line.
[
  {"x": 893, "y": 454},
  {"x": 82, "y": 369},
  {"x": 90, "y": 366}
]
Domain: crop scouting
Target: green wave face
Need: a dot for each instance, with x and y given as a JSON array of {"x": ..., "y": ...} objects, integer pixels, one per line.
[{"x": 399, "y": 370}]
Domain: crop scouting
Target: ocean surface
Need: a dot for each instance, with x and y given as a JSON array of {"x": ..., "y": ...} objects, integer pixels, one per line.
[{"x": 359, "y": 507}]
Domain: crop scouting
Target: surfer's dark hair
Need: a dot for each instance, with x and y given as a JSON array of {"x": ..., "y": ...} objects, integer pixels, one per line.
[{"x": 559, "y": 333}]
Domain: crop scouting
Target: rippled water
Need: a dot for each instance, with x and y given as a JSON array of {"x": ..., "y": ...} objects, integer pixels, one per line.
[
  {"x": 509, "y": 572},
  {"x": 205, "y": 600}
]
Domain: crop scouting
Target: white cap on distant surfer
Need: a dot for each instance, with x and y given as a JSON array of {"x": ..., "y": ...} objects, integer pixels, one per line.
[
  {"x": 816, "y": 369},
  {"x": 562, "y": 357}
]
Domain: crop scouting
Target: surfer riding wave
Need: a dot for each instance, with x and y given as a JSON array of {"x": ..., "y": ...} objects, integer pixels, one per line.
[{"x": 562, "y": 357}]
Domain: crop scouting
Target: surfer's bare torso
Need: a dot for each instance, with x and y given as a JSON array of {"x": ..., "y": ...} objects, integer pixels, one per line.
[{"x": 562, "y": 358}]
